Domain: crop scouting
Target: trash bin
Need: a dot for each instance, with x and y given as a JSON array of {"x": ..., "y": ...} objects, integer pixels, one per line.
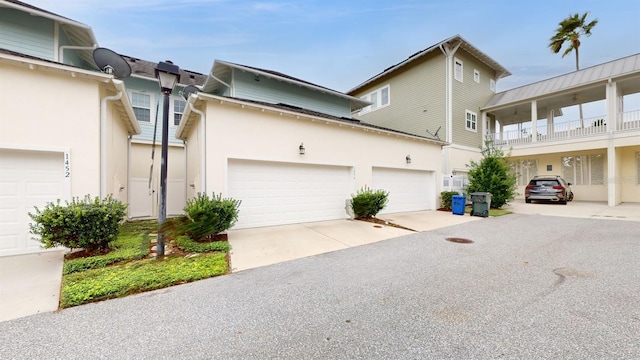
[
  {"x": 457, "y": 204},
  {"x": 480, "y": 204}
]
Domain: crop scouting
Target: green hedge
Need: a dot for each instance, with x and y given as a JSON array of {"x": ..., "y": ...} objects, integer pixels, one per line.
[
  {"x": 209, "y": 216},
  {"x": 368, "y": 203},
  {"x": 81, "y": 224},
  {"x": 446, "y": 199}
]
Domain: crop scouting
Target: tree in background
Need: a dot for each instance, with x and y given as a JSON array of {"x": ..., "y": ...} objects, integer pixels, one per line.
[
  {"x": 569, "y": 30},
  {"x": 493, "y": 175}
]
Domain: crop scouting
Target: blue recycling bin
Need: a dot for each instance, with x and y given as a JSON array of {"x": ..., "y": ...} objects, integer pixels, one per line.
[{"x": 458, "y": 203}]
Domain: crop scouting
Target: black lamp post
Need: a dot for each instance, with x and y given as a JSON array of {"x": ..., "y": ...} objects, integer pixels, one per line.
[{"x": 168, "y": 75}]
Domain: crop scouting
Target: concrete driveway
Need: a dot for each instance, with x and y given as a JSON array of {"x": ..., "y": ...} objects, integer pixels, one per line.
[{"x": 566, "y": 290}]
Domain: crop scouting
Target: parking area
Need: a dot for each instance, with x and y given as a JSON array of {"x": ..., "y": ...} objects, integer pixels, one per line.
[{"x": 579, "y": 209}]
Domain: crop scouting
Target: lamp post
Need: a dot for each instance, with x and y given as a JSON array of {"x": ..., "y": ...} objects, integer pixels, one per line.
[{"x": 168, "y": 75}]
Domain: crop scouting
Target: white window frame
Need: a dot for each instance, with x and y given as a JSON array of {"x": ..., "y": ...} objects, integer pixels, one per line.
[
  {"x": 473, "y": 121},
  {"x": 174, "y": 112},
  {"x": 458, "y": 75},
  {"x": 376, "y": 98},
  {"x": 150, "y": 108},
  {"x": 476, "y": 76},
  {"x": 492, "y": 85}
]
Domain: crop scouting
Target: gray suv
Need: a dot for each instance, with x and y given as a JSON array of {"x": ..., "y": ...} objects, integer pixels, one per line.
[{"x": 548, "y": 188}]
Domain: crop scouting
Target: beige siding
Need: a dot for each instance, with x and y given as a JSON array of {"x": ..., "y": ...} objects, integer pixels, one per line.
[
  {"x": 470, "y": 95},
  {"x": 417, "y": 101},
  {"x": 117, "y": 158}
]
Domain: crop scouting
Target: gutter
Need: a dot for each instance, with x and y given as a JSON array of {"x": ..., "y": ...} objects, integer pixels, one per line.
[{"x": 103, "y": 141}]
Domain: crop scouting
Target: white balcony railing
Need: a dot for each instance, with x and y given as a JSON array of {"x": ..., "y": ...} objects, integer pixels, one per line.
[{"x": 628, "y": 121}]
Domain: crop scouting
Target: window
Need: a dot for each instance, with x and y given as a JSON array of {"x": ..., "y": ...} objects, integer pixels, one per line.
[
  {"x": 525, "y": 170},
  {"x": 476, "y": 76},
  {"x": 457, "y": 69},
  {"x": 471, "y": 121},
  {"x": 583, "y": 169},
  {"x": 492, "y": 85},
  {"x": 141, "y": 104},
  {"x": 379, "y": 98},
  {"x": 178, "y": 109}
]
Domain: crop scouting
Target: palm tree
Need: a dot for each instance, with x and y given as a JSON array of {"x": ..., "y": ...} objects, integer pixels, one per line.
[{"x": 570, "y": 30}]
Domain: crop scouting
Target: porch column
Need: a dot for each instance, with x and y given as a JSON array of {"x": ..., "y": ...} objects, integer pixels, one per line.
[
  {"x": 534, "y": 121},
  {"x": 612, "y": 107},
  {"x": 550, "y": 116},
  {"x": 612, "y": 159}
]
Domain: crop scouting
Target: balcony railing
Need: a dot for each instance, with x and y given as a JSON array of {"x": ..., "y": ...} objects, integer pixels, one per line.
[{"x": 562, "y": 131}]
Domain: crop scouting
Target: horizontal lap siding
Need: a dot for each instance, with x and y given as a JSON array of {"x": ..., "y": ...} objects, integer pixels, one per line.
[
  {"x": 417, "y": 101},
  {"x": 26, "y": 34}
]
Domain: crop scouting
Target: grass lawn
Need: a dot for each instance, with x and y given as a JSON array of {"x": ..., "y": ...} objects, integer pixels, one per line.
[
  {"x": 130, "y": 267},
  {"x": 492, "y": 212}
]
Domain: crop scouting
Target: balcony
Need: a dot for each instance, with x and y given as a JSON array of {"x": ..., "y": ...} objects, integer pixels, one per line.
[{"x": 558, "y": 132}]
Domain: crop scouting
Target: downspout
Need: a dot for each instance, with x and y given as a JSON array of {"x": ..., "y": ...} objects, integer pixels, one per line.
[
  {"x": 448, "y": 53},
  {"x": 103, "y": 141},
  {"x": 203, "y": 147},
  {"x": 128, "y": 174}
]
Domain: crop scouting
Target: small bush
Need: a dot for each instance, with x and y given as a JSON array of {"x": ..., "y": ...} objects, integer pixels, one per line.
[
  {"x": 185, "y": 243},
  {"x": 87, "y": 224},
  {"x": 446, "y": 199},
  {"x": 126, "y": 248},
  {"x": 209, "y": 216},
  {"x": 368, "y": 203}
]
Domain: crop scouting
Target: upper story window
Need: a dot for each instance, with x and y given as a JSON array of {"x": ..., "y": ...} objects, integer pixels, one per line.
[
  {"x": 476, "y": 76},
  {"x": 379, "y": 98},
  {"x": 471, "y": 122},
  {"x": 178, "y": 109},
  {"x": 141, "y": 104},
  {"x": 457, "y": 69},
  {"x": 492, "y": 85}
]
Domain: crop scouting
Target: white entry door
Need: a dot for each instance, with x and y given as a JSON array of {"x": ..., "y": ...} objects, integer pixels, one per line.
[
  {"x": 27, "y": 179},
  {"x": 275, "y": 193},
  {"x": 409, "y": 190}
]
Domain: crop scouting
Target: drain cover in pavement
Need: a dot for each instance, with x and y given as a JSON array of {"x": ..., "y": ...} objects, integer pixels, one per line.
[{"x": 459, "y": 240}]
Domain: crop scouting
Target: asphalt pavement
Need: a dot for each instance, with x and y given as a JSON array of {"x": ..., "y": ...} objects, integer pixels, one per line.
[{"x": 529, "y": 286}]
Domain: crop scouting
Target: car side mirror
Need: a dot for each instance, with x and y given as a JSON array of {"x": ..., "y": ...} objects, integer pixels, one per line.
[{"x": 569, "y": 184}]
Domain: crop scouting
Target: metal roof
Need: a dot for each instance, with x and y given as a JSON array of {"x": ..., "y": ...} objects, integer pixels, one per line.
[
  {"x": 464, "y": 44},
  {"x": 584, "y": 78},
  {"x": 221, "y": 69}
]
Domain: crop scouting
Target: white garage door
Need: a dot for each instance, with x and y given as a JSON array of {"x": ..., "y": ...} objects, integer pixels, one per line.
[
  {"x": 27, "y": 179},
  {"x": 275, "y": 193},
  {"x": 409, "y": 190}
]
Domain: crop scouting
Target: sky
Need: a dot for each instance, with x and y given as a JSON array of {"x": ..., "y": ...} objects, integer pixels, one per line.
[{"x": 341, "y": 43}]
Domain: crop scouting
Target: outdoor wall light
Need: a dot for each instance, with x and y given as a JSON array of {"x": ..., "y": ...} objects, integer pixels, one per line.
[
  {"x": 408, "y": 159},
  {"x": 168, "y": 75},
  {"x": 301, "y": 148}
]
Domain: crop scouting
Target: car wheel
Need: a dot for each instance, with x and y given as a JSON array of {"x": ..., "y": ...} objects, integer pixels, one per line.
[
  {"x": 570, "y": 196},
  {"x": 563, "y": 202},
  {"x": 527, "y": 201}
]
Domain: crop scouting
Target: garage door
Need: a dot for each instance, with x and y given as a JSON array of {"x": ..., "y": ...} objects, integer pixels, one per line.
[
  {"x": 275, "y": 193},
  {"x": 409, "y": 190},
  {"x": 27, "y": 179}
]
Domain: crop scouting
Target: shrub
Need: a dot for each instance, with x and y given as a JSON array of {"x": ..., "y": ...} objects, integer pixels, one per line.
[
  {"x": 187, "y": 244},
  {"x": 209, "y": 216},
  {"x": 492, "y": 174},
  {"x": 88, "y": 224},
  {"x": 446, "y": 199},
  {"x": 368, "y": 203}
]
